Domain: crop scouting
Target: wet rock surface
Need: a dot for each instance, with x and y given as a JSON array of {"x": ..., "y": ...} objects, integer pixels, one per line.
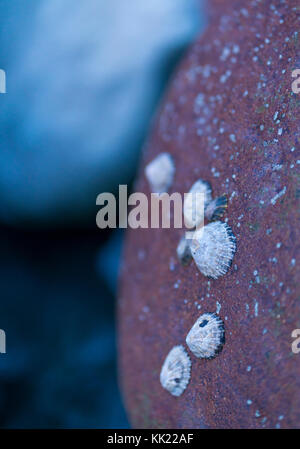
[{"x": 230, "y": 117}]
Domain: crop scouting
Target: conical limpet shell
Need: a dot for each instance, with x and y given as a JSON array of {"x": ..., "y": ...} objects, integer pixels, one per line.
[
  {"x": 207, "y": 336},
  {"x": 213, "y": 248},
  {"x": 194, "y": 205},
  {"x": 175, "y": 372},
  {"x": 160, "y": 173}
]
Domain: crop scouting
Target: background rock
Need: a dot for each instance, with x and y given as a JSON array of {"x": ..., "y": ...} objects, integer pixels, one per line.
[
  {"x": 83, "y": 79},
  {"x": 229, "y": 117}
]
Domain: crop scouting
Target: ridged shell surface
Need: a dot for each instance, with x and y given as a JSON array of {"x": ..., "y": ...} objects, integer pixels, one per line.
[
  {"x": 175, "y": 372},
  {"x": 213, "y": 248},
  {"x": 207, "y": 336}
]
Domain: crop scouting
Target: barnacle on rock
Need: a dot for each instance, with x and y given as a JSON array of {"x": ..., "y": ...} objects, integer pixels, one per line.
[
  {"x": 213, "y": 248},
  {"x": 160, "y": 173},
  {"x": 175, "y": 372},
  {"x": 207, "y": 336}
]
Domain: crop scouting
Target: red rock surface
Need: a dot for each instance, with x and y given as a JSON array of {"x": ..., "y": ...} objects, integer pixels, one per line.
[{"x": 229, "y": 117}]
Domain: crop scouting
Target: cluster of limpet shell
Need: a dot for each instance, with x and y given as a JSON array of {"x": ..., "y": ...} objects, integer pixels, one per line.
[
  {"x": 212, "y": 247},
  {"x": 205, "y": 340}
]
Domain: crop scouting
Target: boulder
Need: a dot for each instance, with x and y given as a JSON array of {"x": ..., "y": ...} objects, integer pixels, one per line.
[{"x": 231, "y": 118}]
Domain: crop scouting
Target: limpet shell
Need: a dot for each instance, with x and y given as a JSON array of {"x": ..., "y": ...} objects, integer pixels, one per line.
[
  {"x": 175, "y": 372},
  {"x": 207, "y": 336},
  {"x": 195, "y": 205},
  {"x": 213, "y": 248},
  {"x": 160, "y": 173}
]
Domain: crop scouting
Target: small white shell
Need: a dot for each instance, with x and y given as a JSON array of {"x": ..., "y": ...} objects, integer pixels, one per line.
[
  {"x": 207, "y": 336},
  {"x": 194, "y": 206},
  {"x": 160, "y": 173},
  {"x": 175, "y": 373},
  {"x": 184, "y": 251},
  {"x": 213, "y": 248}
]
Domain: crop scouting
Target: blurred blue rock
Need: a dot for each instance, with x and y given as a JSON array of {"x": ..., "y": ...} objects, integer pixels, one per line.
[
  {"x": 59, "y": 369},
  {"x": 109, "y": 259},
  {"x": 83, "y": 79}
]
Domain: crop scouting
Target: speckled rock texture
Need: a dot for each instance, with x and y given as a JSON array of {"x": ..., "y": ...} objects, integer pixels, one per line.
[{"x": 229, "y": 117}]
